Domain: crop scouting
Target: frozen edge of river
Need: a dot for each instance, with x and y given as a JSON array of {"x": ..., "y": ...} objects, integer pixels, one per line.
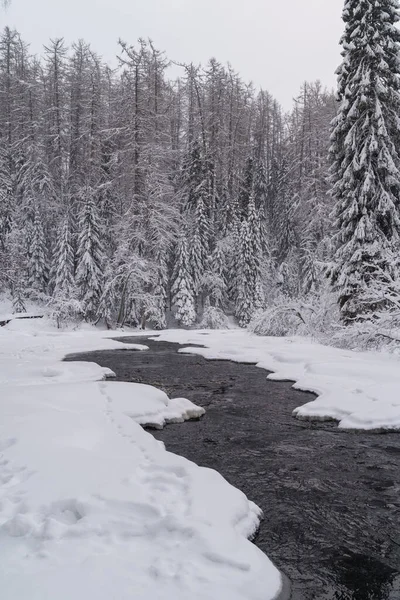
[{"x": 359, "y": 390}]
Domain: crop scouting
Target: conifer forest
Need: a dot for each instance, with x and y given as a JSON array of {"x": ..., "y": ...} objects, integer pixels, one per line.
[{"x": 132, "y": 197}]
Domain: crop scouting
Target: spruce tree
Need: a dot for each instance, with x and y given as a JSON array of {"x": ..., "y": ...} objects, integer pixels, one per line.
[
  {"x": 63, "y": 266},
  {"x": 193, "y": 175},
  {"x": 260, "y": 185},
  {"x": 246, "y": 187},
  {"x": 249, "y": 289},
  {"x": 89, "y": 274},
  {"x": 182, "y": 288},
  {"x": 365, "y": 158},
  {"x": 160, "y": 292},
  {"x": 37, "y": 265},
  {"x": 244, "y": 302},
  {"x": 215, "y": 281},
  {"x": 200, "y": 244},
  {"x": 6, "y": 199}
]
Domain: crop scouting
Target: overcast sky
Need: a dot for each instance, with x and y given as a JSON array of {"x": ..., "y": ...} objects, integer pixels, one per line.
[{"x": 277, "y": 44}]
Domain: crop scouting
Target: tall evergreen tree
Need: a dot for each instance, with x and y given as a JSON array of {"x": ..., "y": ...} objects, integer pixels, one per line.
[
  {"x": 182, "y": 287},
  {"x": 37, "y": 267},
  {"x": 246, "y": 187},
  {"x": 63, "y": 267},
  {"x": 6, "y": 199},
  {"x": 249, "y": 293},
  {"x": 89, "y": 274},
  {"x": 365, "y": 142},
  {"x": 158, "y": 314},
  {"x": 200, "y": 243}
]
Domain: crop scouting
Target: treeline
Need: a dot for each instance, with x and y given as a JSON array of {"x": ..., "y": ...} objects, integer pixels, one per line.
[{"x": 126, "y": 196}]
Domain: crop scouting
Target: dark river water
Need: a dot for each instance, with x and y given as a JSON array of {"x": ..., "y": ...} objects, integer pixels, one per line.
[{"x": 331, "y": 499}]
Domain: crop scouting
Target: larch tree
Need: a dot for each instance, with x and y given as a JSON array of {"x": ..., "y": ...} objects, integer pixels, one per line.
[{"x": 365, "y": 158}]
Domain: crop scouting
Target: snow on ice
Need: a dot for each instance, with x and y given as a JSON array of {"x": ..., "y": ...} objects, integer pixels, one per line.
[
  {"x": 361, "y": 390},
  {"x": 91, "y": 505}
]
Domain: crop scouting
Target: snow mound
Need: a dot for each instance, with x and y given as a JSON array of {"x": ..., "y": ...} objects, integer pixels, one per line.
[
  {"x": 360, "y": 390},
  {"x": 149, "y": 406}
]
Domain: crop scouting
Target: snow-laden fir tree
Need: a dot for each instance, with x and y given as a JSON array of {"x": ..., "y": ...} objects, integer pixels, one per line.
[
  {"x": 107, "y": 308},
  {"x": 63, "y": 266},
  {"x": 249, "y": 293},
  {"x": 199, "y": 252},
  {"x": 215, "y": 277},
  {"x": 246, "y": 187},
  {"x": 254, "y": 222},
  {"x": 89, "y": 273},
  {"x": 194, "y": 175},
  {"x": 38, "y": 270},
  {"x": 183, "y": 287},
  {"x": 260, "y": 184},
  {"x": 6, "y": 198},
  {"x": 260, "y": 191},
  {"x": 244, "y": 301},
  {"x": 158, "y": 314},
  {"x": 365, "y": 158},
  {"x": 233, "y": 258}
]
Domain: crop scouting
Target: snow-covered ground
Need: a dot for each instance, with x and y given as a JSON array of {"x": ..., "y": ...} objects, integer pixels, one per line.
[
  {"x": 91, "y": 505},
  {"x": 361, "y": 390}
]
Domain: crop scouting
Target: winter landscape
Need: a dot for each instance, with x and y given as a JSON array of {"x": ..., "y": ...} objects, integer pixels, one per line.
[{"x": 199, "y": 322}]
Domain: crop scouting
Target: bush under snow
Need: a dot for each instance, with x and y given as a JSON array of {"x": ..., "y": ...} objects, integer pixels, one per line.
[{"x": 214, "y": 318}]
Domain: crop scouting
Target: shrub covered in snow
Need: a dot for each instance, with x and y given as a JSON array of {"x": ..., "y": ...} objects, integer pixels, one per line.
[
  {"x": 214, "y": 318},
  {"x": 65, "y": 311},
  {"x": 275, "y": 321},
  {"x": 315, "y": 315}
]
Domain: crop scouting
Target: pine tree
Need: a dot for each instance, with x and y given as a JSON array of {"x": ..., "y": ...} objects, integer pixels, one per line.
[
  {"x": 365, "y": 159},
  {"x": 182, "y": 288},
  {"x": 37, "y": 266},
  {"x": 89, "y": 273}
]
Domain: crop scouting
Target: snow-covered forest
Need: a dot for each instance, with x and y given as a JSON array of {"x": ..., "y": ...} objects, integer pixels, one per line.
[
  {"x": 125, "y": 194},
  {"x": 131, "y": 197}
]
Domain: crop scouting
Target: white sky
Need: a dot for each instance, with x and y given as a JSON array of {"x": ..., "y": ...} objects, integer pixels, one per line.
[{"x": 277, "y": 44}]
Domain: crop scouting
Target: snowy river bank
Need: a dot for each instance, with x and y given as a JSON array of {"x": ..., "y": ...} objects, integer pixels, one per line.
[
  {"x": 91, "y": 505},
  {"x": 331, "y": 498}
]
